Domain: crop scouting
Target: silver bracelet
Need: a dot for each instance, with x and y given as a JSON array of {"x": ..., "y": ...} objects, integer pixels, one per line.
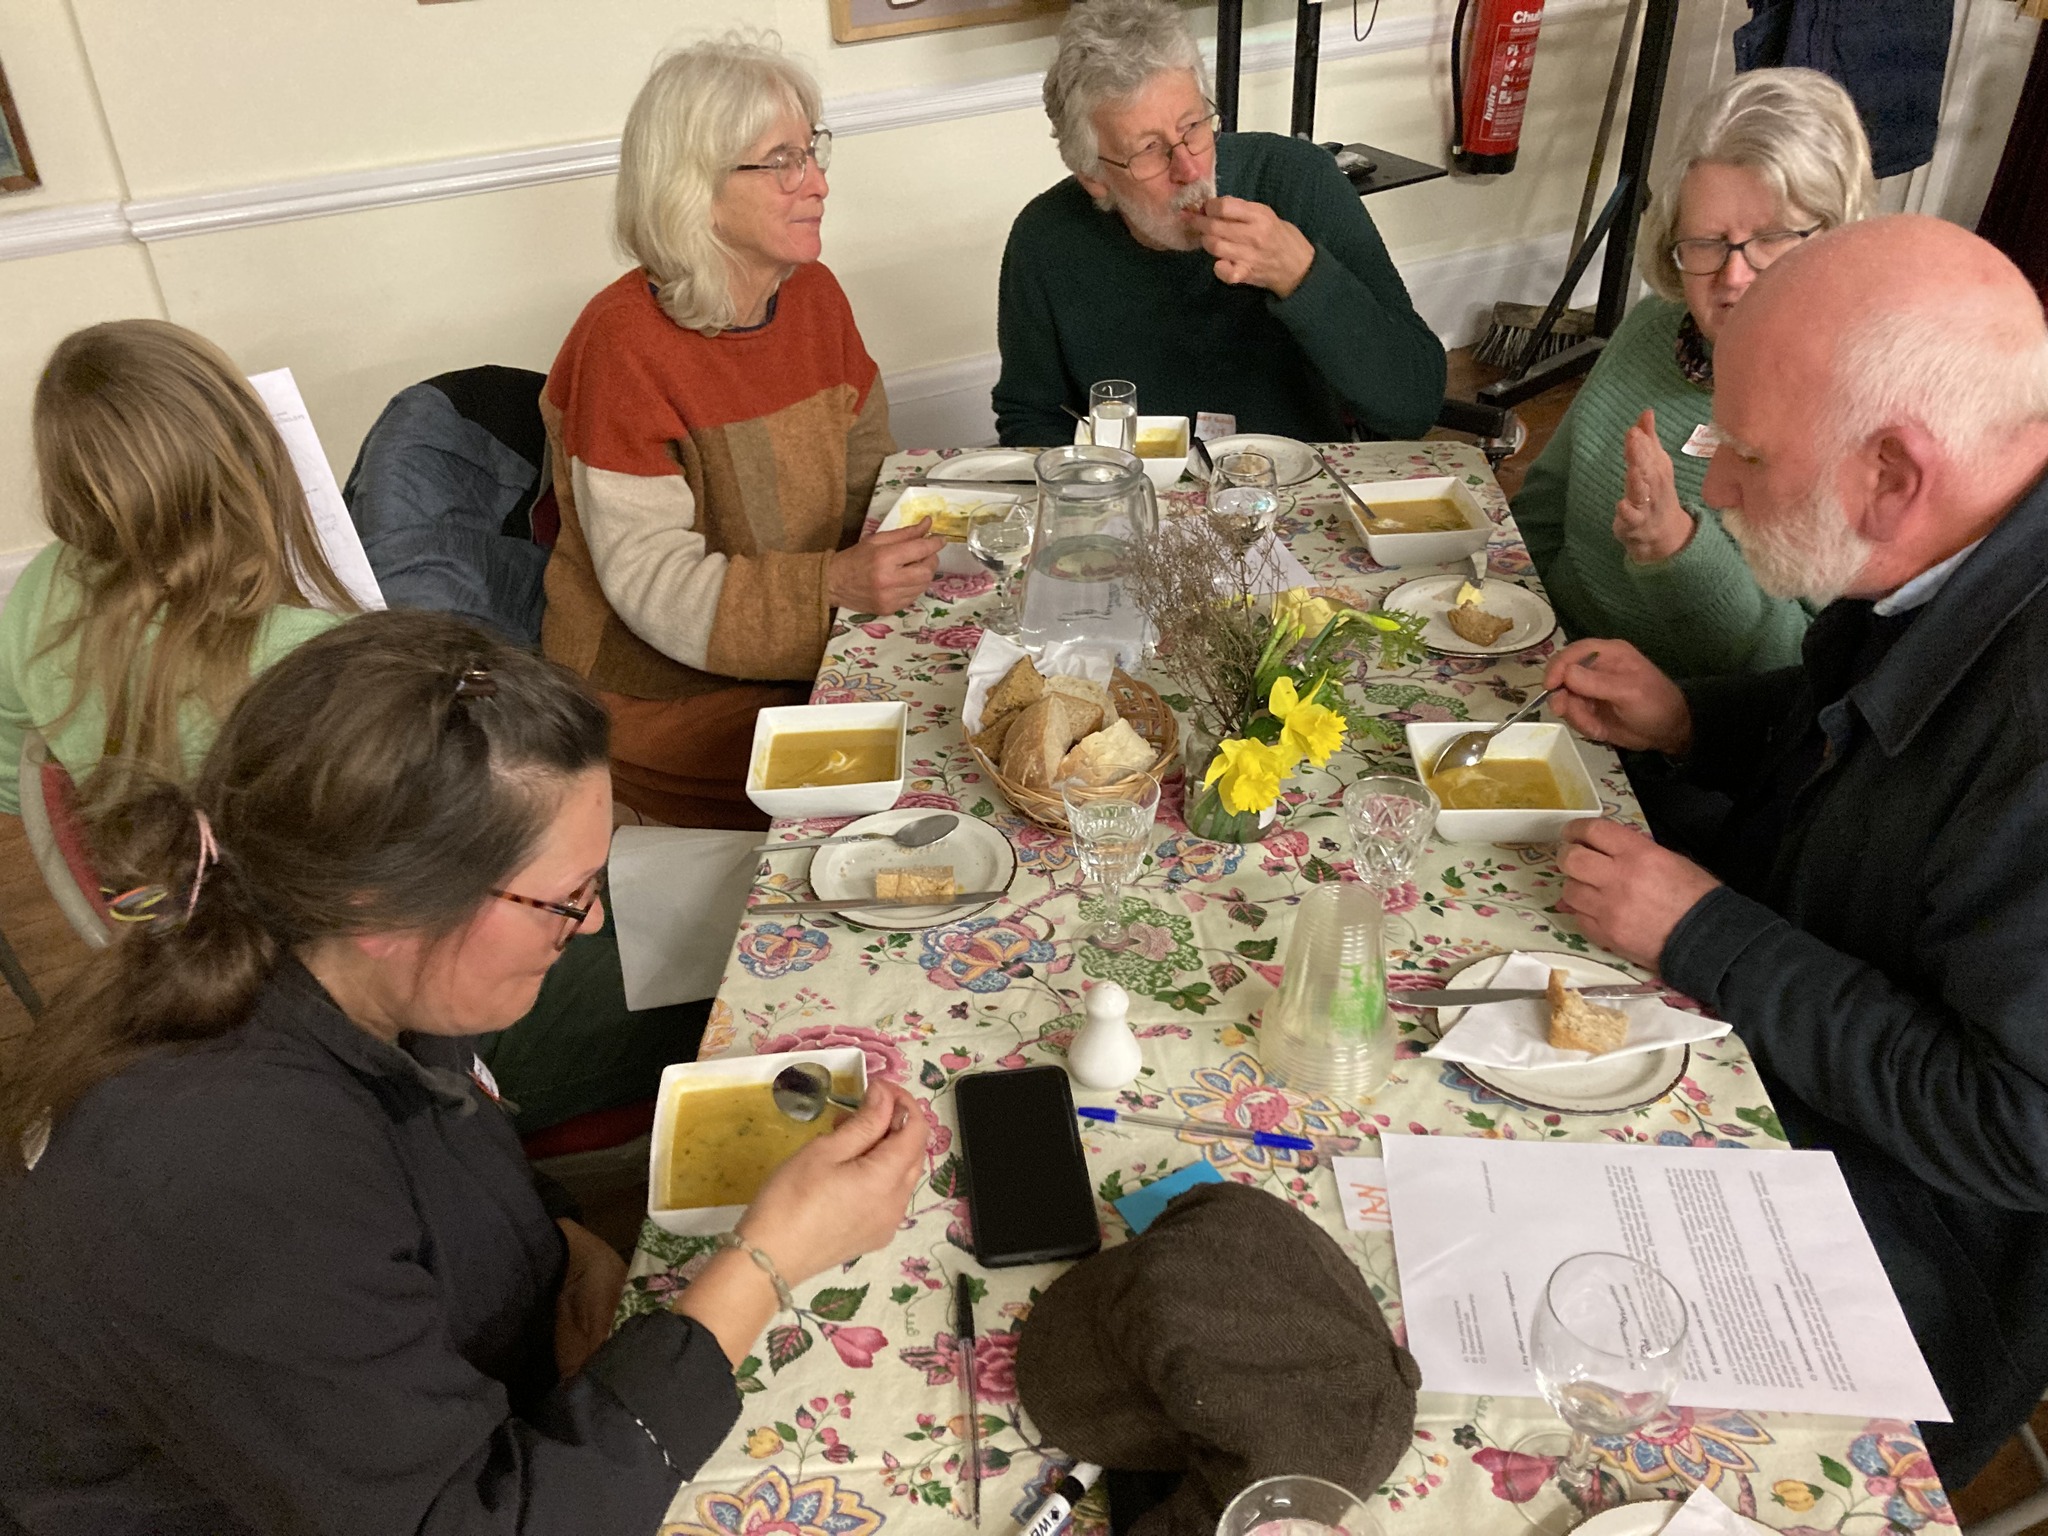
[{"x": 782, "y": 1292}]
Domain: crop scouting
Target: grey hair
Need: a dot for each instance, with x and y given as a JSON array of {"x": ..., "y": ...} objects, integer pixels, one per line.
[
  {"x": 1964, "y": 372},
  {"x": 696, "y": 117},
  {"x": 1108, "y": 49},
  {"x": 1796, "y": 129}
]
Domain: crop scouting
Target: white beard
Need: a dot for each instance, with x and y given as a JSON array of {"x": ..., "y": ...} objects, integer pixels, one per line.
[
  {"x": 1809, "y": 551},
  {"x": 1168, "y": 231}
]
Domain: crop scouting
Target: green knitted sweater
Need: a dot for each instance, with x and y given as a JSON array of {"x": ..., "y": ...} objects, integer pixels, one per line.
[{"x": 1698, "y": 614}]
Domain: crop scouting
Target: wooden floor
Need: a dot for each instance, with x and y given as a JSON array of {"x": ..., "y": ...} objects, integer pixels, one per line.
[{"x": 52, "y": 954}]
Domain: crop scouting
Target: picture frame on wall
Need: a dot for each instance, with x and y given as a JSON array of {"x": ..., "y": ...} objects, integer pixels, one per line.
[
  {"x": 17, "y": 165},
  {"x": 855, "y": 21}
]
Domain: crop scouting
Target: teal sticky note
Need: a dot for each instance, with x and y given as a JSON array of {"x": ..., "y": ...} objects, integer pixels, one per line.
[{"x": 1142, "y": 1208}]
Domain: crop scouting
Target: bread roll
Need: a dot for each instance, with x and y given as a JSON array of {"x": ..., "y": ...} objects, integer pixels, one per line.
[
  {"x": 1083, "y": 691},
  {"x": 1105, "y": 757},
  {"x": 1577, "y": 1025},
  {"x": 1039, "y": 737},
  {"x": 1020, "y": 687}
]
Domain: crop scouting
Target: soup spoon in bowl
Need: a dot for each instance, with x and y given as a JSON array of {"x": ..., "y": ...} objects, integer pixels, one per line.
[
  {"x": 802, "y": 1091},
  {"x": 1468, "y": 750}
]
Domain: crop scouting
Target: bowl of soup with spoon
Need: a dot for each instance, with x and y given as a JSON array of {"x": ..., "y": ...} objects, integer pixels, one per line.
[{"x": 1529, "y": 786}]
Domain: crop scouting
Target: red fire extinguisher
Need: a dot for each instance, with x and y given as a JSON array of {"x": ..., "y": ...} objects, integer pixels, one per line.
[{"x": 1490, "y": 98}]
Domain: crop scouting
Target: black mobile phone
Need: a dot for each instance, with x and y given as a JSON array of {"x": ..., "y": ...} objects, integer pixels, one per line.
[{"x": 1027, "y": 1178}]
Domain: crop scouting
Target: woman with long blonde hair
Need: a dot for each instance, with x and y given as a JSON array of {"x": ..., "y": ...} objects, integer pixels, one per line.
[{"x": 185, "y": 559}]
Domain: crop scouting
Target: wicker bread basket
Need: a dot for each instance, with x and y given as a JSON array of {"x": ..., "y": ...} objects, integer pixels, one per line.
[{"x": 1138, "y": 703}]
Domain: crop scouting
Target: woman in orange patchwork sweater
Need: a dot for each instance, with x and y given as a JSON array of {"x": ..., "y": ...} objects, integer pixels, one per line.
[{"x": 717, "y": 427}]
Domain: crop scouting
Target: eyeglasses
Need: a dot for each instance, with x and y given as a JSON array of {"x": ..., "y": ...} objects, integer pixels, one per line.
[
  {"x": 789, "y": 163},
  {"x": 1703, "y": 258},
  {"x": 1151, "y": 162},
  {"x": 574, "y": 912}
]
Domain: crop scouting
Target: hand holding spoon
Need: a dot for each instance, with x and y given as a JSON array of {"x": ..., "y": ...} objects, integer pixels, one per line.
[
  {"x": 802, "y": 1091},
  {"x": 1468, "y": 749}
]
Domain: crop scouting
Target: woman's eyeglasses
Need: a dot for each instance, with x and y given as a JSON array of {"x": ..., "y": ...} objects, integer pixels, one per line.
[
  {"x": 1703, "y": 258},
  {"x": 1150, "y": 163},
  {"x": 789, "y": 163},
  {"x": 574, "y": 912}
]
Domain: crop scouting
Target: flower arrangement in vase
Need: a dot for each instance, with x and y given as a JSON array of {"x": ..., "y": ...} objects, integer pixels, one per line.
[{"x": 1262, "y": 677}]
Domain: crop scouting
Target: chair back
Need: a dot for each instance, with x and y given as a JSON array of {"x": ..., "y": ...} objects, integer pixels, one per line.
[{"x": 56, "y": 837}]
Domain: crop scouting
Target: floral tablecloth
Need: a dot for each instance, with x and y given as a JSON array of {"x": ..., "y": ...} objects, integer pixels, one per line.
[{"x": 853, "y": 1415}]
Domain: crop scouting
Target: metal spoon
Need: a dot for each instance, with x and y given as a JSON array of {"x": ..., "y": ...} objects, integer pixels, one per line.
[
  {"x": 802, "y": 1091},
  {"x": 1468, "y": 749},
  {"x": 912, "y": 834}
]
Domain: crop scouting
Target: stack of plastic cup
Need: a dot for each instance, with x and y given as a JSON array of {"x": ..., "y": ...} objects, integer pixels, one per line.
[{"x": 1328, "y": 1032}]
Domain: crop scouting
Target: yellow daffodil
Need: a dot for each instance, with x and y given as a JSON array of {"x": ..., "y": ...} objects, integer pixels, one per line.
[
  {"x": 1301, "y": 608},
  {"x": 1307, "y": 729},
  {"x": 763, "y": 1442},
  {"x": 1250, "y": 773}
]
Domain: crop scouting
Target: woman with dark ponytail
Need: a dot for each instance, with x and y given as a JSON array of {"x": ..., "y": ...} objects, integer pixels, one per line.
[{"x": 270, "y": 1256}]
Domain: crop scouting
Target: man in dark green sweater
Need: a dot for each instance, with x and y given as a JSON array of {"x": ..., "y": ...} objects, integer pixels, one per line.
[{"x": 1234, "y": 274}]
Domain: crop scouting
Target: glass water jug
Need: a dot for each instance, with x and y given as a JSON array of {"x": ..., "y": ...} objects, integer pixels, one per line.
[{"x": 1095, "y": 506}]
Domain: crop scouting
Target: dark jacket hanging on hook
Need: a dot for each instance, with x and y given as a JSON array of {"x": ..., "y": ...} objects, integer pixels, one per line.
[{"x": 1890, "y": 55}]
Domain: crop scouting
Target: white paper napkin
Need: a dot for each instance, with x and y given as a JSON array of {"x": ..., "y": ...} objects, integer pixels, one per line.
[
  {"x": 993, "y": 658},
  {"x": 1705, "y": 1515},
  {"x": 676, "y": 898},
  {"x": 1516, "y": 1035}
]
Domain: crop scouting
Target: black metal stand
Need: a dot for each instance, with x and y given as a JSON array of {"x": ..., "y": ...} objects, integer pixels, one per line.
[{"x": 1616, "y": 225}]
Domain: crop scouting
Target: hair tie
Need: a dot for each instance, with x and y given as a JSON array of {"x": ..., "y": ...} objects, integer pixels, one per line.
[{"x": 209, "y": 853}]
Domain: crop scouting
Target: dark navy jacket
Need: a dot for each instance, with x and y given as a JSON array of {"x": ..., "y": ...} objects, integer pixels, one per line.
[
  {"x": 1882, "y": 948},
  {"x": 299, "y": 1280}
]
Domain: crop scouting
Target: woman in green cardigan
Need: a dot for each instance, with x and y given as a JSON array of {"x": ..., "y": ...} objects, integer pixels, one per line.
[{"x": 1612, "y": 512}]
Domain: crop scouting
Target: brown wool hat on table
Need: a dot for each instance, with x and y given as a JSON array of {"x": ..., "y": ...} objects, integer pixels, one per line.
[{"x": 1234, "y": 1340}]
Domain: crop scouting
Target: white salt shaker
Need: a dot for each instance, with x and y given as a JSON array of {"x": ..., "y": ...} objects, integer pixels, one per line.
[{"x": 1105, "y": 1054}]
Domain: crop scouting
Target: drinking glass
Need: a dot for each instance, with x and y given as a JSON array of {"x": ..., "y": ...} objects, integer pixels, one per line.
[
  {"x": 1390, "y": 818},
  {"x": 999, "y": 536},
  {"x": 1112, "y": 829},
  {"x": 1296, "y": 1506},
  {"x": 1244, "y": 495},
  {"x": 1113, "y": 414},
  {"x": 1608, "y": 1344}
]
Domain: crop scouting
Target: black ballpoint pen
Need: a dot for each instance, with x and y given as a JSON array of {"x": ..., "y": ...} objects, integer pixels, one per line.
[{"x": 963, "y": 1332}]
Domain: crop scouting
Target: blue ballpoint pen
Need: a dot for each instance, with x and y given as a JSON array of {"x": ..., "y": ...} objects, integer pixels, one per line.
[{"x": 1201, "y": 1128}]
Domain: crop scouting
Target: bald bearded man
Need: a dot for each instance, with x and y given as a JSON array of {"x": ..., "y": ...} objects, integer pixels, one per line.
[{"x": 1873, "y": 917}]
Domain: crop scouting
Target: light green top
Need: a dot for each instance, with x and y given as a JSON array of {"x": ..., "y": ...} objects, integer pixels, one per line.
[
  {"x": 1698, "y": 614},
  {"x": 35, "y": 685}
]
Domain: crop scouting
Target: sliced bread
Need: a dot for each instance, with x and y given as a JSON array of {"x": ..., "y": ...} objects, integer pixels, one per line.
[
  {"x": 1579, "y": 1025},
  {"x": 1106, "y": 756}
]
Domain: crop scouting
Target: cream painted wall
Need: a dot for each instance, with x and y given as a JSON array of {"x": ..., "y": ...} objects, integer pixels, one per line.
[{"x": 215, "y": 95}]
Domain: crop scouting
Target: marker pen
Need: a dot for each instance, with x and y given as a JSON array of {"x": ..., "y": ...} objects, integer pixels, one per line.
[{"x": 1058, "y": 1507}]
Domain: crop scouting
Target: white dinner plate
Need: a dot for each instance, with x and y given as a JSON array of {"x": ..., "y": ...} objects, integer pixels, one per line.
[
  {"x": 1646, "y": 1517},
  {"x": 1293, "y": 462},
  {"x": 1600, "y": 1086},
  {"x": 981, "y": 856},
  {"x": 1432, "y": 597},
  {"x": 985, "y": 464},
  {"x": 958, "y": 502}
]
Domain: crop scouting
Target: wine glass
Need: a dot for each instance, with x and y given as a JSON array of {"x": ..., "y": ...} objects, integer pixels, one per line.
[
  {"x": 1390, "y": 819},
  {"x": 1244, "y": 494},
  {"x": 1112, "y": 830},
  {"x": 999, "y": 535},
  {"x": 1113, "y": 414},
  {"x": 1608, "y": 1344},
  {"x": 1296, "y": 1506}
]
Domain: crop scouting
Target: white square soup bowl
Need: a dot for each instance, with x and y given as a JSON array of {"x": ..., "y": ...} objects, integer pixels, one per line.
[
  {"x": 1391, "y": 549},
  {"x": 1162, "y": 472},
  {"x": 829, "y": 799},
  {"x": 1552, "y": 743},
  {"x": 677, "y": 1083}
]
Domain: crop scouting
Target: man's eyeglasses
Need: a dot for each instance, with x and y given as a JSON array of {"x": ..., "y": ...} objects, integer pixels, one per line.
[
  {"x": 1703, "y": 258},
  {"x": 574, "y": 912},
  {"x": 1151, "y": 162},
  {"x": 789, "y": 162}
]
